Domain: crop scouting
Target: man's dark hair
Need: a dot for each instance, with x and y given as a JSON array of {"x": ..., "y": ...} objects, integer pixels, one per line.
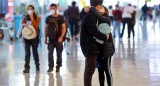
[
  {"x": 129, "y": 5},
  {"x": 73, "y": 3},
  {"x": 110, "y": 7},
  {"x": 53, "y": 5},
  {"x": 96, "y": 2},
  {"x": 117, "y": 5}
]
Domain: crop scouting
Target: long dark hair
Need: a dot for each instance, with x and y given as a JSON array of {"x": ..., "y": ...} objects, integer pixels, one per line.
[
  {"x": 34, "y": 14},
  {"x": 106, "y": 13}
]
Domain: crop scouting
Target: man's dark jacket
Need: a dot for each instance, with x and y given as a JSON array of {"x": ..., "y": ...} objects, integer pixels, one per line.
[{"x": 88, "y": 30}]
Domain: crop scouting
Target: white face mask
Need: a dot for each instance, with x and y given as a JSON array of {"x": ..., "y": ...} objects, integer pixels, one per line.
[
  {"x": 29, "y": 12},
  {"x": 52, "y": 12},
  {"x": 117, "y": 8}
]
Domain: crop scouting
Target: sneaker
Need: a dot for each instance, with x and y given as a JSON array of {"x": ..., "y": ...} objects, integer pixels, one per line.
[
  {"x": 26, "y": 71},
  {"x": 57, "y": 69},
  {"x": 50, "y": 70}
]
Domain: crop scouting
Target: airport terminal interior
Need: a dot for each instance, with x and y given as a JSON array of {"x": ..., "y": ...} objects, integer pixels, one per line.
[{"x": 136, "y": 61}]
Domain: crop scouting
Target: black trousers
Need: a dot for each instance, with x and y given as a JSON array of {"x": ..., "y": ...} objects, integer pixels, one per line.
[
  {"x": 132, "y": 30},
  {"x": 74, "y": 22},
  {"x": 59, "y": 49},
  {"x": 90, "y": 64},
  {"x": 129, "y": 23},
  {"x": 104, "y": 70},
  {"x": 34, "y": 44}
]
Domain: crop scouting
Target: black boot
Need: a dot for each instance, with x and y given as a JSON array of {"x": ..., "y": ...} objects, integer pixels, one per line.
[
  {"x": 37, "y": 68},
  {"x": 57, "y": 69},
  {"x": 50, "y": 70},
  {"x": 26, "y": 70}
]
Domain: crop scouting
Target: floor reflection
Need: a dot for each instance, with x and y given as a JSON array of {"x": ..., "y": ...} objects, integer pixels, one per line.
[
  {"x": 135, "y": 62},
  {"x": 27, "y": 79}
]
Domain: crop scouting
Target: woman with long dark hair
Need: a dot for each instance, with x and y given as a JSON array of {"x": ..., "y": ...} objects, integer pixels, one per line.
[{"x": 31, "y": 19}]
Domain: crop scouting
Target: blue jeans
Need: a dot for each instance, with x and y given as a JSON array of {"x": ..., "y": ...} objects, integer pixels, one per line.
[{"x": 116, "y": 25}]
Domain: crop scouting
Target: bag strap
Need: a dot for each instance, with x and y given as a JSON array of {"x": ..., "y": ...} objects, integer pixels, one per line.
[
  {"x": 25, "y": 21},
  {"x": 55, "y": 23}
]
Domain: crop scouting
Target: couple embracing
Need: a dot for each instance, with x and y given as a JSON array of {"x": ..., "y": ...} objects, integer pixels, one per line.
[{"x": 91, "y": 17}]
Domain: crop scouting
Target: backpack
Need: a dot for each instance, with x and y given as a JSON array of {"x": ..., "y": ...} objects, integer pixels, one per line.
[
  {"x": 117, "y": 15},
  {"x": 52, "y": 31}
]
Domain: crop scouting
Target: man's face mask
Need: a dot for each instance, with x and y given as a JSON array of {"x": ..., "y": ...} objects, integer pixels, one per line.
[
  {"x": 117, "y": 8},
  {"x": 52, "y": 11}
]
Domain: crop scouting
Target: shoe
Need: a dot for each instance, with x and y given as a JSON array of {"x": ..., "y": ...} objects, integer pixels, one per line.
[
  {"x": 57, "y": 69},
  {"x": 26, "y": 71},
  {"x": 37, "y": 69},
  {"x": 76, "y": 38},
  {"x": 50, "y": 70}
]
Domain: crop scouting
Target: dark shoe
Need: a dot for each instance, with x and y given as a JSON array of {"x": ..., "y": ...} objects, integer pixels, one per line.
[
  {"x": 50, "y": 70},
  {"x": 57, "y": 69},
  {"x": 76, "y": 38},
  {"x": 37, "y": 69},
  {"x": 26, "y": 71}
]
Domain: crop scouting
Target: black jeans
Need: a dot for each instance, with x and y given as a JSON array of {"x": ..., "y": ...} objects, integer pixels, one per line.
[
  {"x": 129, "y": 23},
  {"x": 89, "y": 69},
  {"x": 34, "y": 44},
  {"x": 59, "y": 49},
  {"x": 132, "y": 30},
  {"x": 105, "y": 69},
  {"x": 74, "y": 22}
]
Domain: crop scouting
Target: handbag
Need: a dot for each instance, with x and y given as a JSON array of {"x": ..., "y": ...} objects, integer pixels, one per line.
[
  {"x": 19, "y": 33},
  {"x": 108, "y": 48}
]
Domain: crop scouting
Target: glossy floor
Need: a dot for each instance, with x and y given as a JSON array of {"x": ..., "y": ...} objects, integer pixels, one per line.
[{"x": 135, "y": 62}]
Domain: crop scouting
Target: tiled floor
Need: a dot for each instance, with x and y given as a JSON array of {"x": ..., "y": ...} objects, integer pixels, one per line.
[{"x": 135, "y": 63}]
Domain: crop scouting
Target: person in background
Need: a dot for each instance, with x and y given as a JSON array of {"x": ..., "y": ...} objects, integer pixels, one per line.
[
  {"x": 1, "y": 34},
  {"x": 144, "y": 11},
  {"x": 73, "y": 13},
  {"x": 127, "y": 18},
  {"x": 154, "y": 14},
  {"x": 54, "y": 34},
  {"x": 133, "y": 22},
  {"x": 110, "y": 14},
  {"x": 31, "y": 19},
  {"x": 117, "y": 18},
  {"x": 66, "y": 17}
]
